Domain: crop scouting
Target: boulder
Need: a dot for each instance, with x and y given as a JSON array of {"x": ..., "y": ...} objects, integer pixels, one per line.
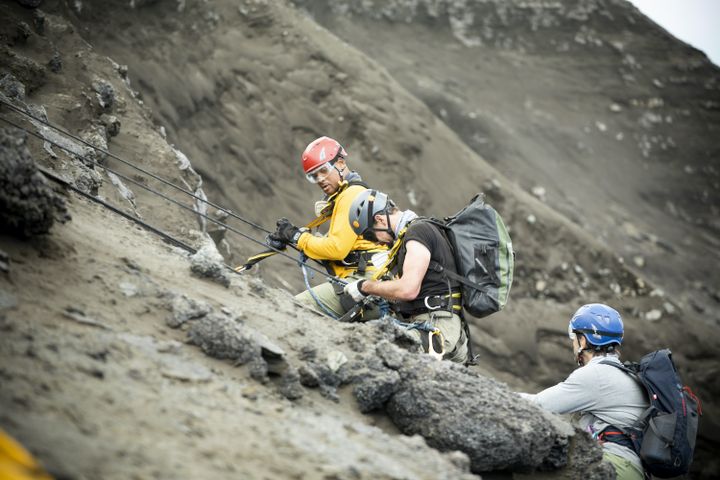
[
  {"x": 454, "y": 408},
  {"x": 28, "y": 206},
  {"x": 220, "y": 336},
  {"x": 208, "y": 263},
  {"x": 185, "y": 308}
]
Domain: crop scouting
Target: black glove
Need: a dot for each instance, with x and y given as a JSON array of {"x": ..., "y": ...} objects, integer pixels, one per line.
[
  {"x": 273, "y": 241},
  {"x": 287, "y": 232}
]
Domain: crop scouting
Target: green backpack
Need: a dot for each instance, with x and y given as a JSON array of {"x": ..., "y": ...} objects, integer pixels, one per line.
[{"x": 483, "y": 254}]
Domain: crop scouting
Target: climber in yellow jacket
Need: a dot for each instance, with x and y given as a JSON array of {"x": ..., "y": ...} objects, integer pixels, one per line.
[{"x": 341, "y": 250}]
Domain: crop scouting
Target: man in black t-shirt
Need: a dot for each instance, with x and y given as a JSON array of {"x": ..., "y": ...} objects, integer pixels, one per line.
[{"x": 421, "y": 295}]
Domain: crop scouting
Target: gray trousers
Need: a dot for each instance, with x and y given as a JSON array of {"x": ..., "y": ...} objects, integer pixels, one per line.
[
  {"x": 450, "y": 325},
  {"x": 328, "y": 296}
]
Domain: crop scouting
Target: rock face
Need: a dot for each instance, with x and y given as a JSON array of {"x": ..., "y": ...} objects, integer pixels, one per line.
[
  {"x": 28, "y": 206},
  {"x": 30, "y": 3},
  {"x": 242, "y": 87},
  {"x": 209, "y": 263},
  {"x": 456, "y": 409},
  {"x": 184, "y": 308},
  {"x": 222, "y": 337}
]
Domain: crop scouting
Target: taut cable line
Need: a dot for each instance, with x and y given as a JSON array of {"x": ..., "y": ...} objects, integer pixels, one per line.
[
  {"x": 165, "y": 236},
  {"x": 169, "y": 199},
  {"x": 131, "y": 165}
]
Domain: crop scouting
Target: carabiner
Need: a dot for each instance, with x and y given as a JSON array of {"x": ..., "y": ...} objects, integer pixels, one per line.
[
  {"x": 430, "y": 309},
  {"x": 431, "y": 349}
]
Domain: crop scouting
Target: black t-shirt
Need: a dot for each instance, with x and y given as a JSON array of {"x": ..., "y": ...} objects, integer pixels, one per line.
[{"x": 429, "y": 235}]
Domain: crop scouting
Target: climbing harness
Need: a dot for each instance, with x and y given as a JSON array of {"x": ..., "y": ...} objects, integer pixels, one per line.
[{"x": 450, "y": 302}]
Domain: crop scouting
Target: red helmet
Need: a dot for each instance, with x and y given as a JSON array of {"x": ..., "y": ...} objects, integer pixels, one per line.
[{"x": 321, "y": 151}]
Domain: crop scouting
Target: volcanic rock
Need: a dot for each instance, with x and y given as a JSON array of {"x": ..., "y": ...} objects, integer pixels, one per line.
[{"x": 28, "y": 206}]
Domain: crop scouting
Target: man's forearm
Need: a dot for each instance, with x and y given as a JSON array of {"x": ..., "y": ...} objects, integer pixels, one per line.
[{"x": 389, "y": 289}]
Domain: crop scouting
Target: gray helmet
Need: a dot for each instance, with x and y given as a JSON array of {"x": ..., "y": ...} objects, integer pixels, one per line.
[{"x": 364, "y": 208}]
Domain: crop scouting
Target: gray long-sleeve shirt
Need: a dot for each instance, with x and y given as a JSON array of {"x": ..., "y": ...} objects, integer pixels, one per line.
[{"x": 603, "y": 395}]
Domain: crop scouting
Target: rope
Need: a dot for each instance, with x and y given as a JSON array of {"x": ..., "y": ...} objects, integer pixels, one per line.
[
  {"x": 171, "y": 200},
  {"x": 140, "y": 169},
  {"x": 425, "y": 326},
  {"x": 322, "y": 306}
]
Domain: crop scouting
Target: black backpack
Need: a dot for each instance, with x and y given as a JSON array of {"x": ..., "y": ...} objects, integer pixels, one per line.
[
  {"x": 664, "y": 436},
  {"x": 483, "y": 254}
]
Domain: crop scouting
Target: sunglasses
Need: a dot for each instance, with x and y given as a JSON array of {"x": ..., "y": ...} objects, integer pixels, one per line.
[{"x": 320, "y": 173}]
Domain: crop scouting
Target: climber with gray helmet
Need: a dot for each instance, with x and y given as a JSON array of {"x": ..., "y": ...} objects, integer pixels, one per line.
[
  {"x": 419, "y": 294},
  {"x": 607, "y": 399}
]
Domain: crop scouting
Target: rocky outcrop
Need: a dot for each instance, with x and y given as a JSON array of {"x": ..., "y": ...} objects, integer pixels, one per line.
[
  {"x": 241, "y": 113},
  {"x": 499, "y": 23},
  {"x": 184, "y": 308},
  {"x": 456, "y": 409},
  {"x": 207, "y": 262},
  {"x": 28, "y": 206},
  {"x": 220, "y": 336}
]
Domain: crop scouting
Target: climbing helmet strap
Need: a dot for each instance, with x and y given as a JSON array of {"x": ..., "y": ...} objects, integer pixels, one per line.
[{"x": 371, "y": 202}]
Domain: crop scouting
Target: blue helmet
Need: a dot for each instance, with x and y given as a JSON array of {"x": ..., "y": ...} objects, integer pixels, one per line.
[{"x": 600, "y": 324}]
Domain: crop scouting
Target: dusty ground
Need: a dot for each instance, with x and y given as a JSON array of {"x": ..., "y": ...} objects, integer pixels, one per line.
[
  {"x": 241, "y": 88},
  {"x": 97, "y": 385}
]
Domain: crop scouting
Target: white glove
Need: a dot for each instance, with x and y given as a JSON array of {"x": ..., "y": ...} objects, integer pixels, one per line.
[{"x": 353, "y": 289}]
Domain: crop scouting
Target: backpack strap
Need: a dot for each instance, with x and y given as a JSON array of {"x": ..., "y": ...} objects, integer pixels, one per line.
[
  {"x": 642, "y": 419},
  {"x": 622, "y": 367},
  {"x": 436, "y": 267}
]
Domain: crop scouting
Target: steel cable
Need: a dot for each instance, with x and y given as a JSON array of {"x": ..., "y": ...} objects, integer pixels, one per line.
[
  {"x": 171, "y": 200},
  {"x": 166, "y": 236},
  {"x": 130, "y": 164}
]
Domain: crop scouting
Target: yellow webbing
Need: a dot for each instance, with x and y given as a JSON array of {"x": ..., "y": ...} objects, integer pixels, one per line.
[
  {"x": 326, "y": 212},
  {"x": 391, "y": 256}
]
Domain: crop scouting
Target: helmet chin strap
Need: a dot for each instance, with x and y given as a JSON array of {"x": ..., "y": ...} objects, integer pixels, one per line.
[
  {"x": 342, "y": 177},
  {"x": 389, "y": 229},
  {"x": 579, "y": 356}
]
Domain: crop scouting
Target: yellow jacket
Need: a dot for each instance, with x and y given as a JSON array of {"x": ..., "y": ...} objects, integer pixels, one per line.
[{"x": 340, "y": 239}]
